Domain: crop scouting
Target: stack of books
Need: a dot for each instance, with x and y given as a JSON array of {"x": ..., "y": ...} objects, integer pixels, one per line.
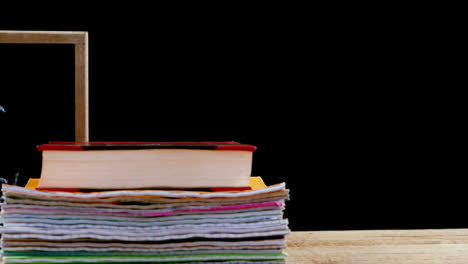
[{"x": 201, "y": 219}]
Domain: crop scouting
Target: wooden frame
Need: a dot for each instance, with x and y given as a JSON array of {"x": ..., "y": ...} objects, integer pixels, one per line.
[{"x": 80, "y": 40}]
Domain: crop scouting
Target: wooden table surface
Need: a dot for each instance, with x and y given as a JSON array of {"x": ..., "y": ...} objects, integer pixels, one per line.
[{"x": 380, "y": 247}]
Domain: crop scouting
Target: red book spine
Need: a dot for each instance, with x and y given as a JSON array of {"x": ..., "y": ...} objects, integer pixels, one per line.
[
  {"x": 137, "y": 142},
  {"x": 230, "y": 189},
  {"x": 112, "y": 145},
  {"x": 62, "y": 147},
  {"x": 237, "y": 147},
  {"x": 213, "y": 189}
]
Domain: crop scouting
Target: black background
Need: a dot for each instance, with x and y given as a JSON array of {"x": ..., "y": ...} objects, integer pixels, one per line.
[{"x": 360, "y": 122}]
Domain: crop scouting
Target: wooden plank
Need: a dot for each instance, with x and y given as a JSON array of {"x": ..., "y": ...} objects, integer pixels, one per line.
[
  {"x": 42, "y": 37},
  {"x": 81, "y": 92},
  {"x": 379, "y": 246}
]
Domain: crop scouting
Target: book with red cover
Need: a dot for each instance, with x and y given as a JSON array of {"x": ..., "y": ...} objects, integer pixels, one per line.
[
  {"x": 114, "y": 145},
  {"x": 139, "y": 165}
]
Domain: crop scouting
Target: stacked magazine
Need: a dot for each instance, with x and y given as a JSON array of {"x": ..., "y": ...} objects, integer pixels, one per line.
[{"x": 144, "y": 226}]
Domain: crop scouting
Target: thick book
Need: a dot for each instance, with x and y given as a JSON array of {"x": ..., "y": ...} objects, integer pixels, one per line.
[{"x": 143, "y": 165}]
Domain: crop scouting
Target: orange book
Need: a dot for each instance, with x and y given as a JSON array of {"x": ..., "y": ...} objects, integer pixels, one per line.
[{"x": 255, "y": 183}]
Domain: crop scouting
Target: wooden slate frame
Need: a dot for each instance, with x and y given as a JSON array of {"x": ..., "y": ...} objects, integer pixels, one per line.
[{"x": 80, "y": 41}]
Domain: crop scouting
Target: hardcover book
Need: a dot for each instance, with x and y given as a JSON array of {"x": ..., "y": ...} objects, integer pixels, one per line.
[{"x": 142, "y": 165}]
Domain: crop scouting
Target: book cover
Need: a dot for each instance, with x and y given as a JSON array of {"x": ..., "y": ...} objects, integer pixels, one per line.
[{"x": 113, "y": 145}]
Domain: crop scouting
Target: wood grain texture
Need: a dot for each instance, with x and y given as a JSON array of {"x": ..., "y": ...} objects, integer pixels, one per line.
[
  {"x": 81, "y": 92},
  {"x": 42, "y": 37},
  {"x": 380, "y": 246},
  {"x": 80, "y": 41}
]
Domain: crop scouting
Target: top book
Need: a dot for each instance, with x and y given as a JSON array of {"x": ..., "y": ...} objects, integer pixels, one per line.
[{"x": 145, "y": 165}]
